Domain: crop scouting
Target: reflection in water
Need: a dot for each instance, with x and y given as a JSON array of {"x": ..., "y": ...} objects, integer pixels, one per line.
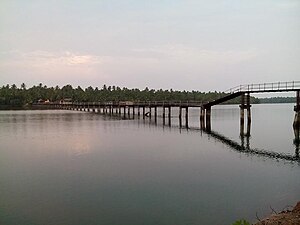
[
  {"x": 244, "y": 147},
  {"x": 205, "y": 126},
  {"x": 247, "y": 141},
  {"x": 131, "y": 168}
]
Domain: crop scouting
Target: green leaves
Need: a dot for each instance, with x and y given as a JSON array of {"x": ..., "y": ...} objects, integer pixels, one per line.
[{"x": 241, "y": 222}]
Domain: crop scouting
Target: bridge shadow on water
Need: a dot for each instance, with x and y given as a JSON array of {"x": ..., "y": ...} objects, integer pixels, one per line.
[{"x": 242, "y": 147}]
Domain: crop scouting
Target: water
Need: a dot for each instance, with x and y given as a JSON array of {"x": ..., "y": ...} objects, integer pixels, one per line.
[{"x": 75, "y": 168}]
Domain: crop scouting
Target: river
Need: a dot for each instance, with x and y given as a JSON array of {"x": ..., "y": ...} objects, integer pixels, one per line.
[{"x": 74, "y": 168}]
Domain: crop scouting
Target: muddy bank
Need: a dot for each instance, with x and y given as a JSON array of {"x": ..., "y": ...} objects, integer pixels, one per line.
[{"x": 288, "y": 217}]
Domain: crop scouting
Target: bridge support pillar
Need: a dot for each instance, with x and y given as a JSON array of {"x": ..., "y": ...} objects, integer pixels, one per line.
[
  {"x": 150, "y": 112},
  {"x": 180, "y": 111},
  {"x": 169, "y": 112},
  {"x": 202, "y": 121},
  {"x": 296, "y": 123},
  {"x": 133, "y": 111},
  {"x": 124, "y": 112},
  {"x": 180, "y": 116},
  {"x": 155, "y": 114},
  {"x": 245, "y": 104},
  {"x": 164, "y": 115},
  {"x": 187, "y": 117},
  {"x": 208, "y": 119},
  {"x": 242, "y": 115}
]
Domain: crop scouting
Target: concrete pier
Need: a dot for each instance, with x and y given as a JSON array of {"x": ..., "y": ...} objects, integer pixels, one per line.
[
  {"x": 245, "y": 104},
  {"x": 296, "y": 123},
  {"x": 187, "y": 117},
  {"x": 208, "y": 119}
]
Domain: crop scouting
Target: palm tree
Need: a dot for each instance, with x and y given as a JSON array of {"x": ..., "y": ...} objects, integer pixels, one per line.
[{"x": 23, "y": 86}]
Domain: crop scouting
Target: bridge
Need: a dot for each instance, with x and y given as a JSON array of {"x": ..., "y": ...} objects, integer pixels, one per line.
[
  {"x": 244, "y": 92},
  {"x": 149, "y": 108}
]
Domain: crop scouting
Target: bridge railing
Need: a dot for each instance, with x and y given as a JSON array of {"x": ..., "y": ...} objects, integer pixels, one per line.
[
  {"x": 139, "y": 103},
  {"x": 277, "y": 86}
]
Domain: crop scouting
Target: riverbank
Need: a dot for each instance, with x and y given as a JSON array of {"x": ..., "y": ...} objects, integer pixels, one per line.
[{"x": 287, "y": 217}]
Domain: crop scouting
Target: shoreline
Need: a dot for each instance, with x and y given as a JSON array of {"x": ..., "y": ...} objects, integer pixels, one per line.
[{"x": 286, "y": 217}]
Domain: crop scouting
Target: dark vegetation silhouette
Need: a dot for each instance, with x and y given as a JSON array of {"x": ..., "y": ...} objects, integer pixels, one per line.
[
  {"x": 13, "y": 96},
  {"x": 278, "y": 100}
]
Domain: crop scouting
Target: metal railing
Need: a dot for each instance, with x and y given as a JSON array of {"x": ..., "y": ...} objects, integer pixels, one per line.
[
  {"x": 137, "y": 103},
  {"x": 265, "y": 87}
]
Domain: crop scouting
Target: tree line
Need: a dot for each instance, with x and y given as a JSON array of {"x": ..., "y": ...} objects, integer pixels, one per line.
[
  {"x": 20, "y": 96},
  {"x": 278, "y": 100}
]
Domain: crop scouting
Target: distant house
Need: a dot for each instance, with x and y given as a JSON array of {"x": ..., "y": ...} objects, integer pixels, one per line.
[
  {"x": 66, "y": 101},
  {"x": 42, "y": 101}
]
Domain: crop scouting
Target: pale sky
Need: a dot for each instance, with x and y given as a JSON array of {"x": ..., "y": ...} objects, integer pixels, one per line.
[{"x": 184, "y": 45}]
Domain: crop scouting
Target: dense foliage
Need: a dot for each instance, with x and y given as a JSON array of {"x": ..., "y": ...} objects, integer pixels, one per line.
[
  {"x": 19, "y": 96},
  {"x": 278, "y": 100}
]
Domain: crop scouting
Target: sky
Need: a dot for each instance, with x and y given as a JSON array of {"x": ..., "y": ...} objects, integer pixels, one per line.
[{"x": 184, "y": 45}]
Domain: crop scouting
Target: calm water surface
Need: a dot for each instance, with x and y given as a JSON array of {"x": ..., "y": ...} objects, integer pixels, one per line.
[{"x": 77, "y": 168}]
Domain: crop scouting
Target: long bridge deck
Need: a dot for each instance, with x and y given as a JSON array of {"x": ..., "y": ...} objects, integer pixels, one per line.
[
  {"x": 139, "y": 104},
  {"x": 243, "y": 91},
  {"x": 291, "y": 86}
]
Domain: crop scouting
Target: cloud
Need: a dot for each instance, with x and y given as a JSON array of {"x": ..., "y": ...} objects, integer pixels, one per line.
[
  {"x": 49, "y": 67},
  {"x": 47, "y": 59},
  {"x": 44, "y": 58}
]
